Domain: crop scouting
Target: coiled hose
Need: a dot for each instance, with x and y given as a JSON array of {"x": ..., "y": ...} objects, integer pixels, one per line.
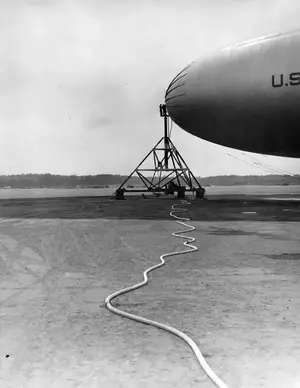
[{"x": 211, "y": 374}]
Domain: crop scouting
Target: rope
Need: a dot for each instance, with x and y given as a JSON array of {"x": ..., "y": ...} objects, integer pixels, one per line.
[
  {"x": 170, "y": 131},
  {"x": 211, "y": 374},
  {"x": 264, "y": 166}
]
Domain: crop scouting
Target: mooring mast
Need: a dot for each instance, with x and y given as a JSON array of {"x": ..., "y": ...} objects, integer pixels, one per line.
[{"x": 170, "y": 172}]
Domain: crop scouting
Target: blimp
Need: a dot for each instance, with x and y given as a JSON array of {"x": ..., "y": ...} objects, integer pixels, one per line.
[{"x": 245, "y": 96}]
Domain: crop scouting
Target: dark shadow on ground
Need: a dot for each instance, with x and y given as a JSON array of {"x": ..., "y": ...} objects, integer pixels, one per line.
[
  {"x": 285, "y": 256},
  {"x": 224, "y": 208}
]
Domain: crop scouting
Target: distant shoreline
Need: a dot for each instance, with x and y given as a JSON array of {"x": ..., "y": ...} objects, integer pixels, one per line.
[
  {"x": 212, "y": 191},
  {"x": 100, "y": 181}
]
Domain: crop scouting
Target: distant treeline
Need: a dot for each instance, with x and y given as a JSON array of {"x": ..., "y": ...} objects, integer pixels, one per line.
[
  {"x": 101, "y": 180},
  {"x": 255, "y": 180}
]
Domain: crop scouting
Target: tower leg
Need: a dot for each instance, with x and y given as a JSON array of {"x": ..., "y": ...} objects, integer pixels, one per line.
[
  {"x": 200, "y": 193},
  {"x": 119, "y": 194},
  {"x": 181, "y": 192}
]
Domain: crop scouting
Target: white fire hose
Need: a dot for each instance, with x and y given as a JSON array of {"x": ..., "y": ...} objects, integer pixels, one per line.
[{"x": 211, "y": 374}]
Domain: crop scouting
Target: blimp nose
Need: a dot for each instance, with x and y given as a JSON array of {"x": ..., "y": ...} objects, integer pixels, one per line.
[{"x": 176, "y": 97}]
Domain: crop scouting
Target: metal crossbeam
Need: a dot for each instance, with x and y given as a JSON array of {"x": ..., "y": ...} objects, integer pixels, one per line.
[{"x": 165, "y": 169}]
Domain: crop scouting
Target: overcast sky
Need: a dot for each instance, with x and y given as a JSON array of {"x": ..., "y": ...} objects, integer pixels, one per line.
[{"x": 81, "y": 80}]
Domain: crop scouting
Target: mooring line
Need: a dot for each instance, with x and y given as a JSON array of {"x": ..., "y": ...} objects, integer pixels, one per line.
[{"x": 207, "y": 369}]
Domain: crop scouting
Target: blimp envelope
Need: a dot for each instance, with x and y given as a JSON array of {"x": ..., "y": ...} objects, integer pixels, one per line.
[{"x": 246, "y": 96}]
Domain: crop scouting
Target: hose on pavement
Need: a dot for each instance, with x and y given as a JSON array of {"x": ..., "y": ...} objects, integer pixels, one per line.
[{"x": 207, "y": 369}]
